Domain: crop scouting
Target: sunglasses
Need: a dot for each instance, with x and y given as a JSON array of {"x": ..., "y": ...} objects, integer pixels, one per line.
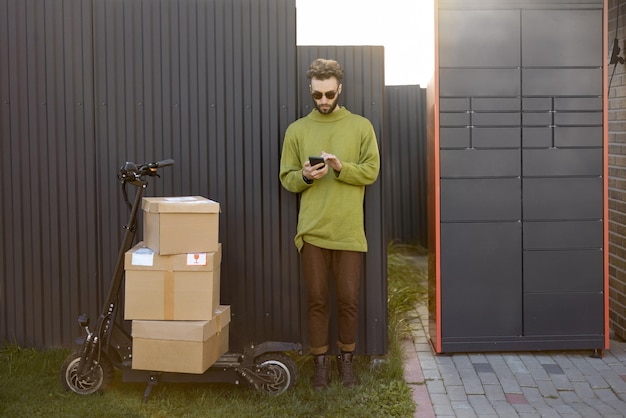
[{"x": 329, "y": 94}]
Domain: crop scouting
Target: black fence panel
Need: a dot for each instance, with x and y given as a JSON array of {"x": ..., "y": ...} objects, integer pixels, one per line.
[
  {"x": 87, "y": 85},
  {"x": 405, "y": 172},
  {"x": 47, "y": 154}
]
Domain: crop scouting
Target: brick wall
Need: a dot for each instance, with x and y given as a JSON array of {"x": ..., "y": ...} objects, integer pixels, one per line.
[{"x": 617, "y": 171}]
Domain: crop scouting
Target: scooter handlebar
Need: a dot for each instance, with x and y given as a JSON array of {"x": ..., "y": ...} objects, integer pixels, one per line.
[
  {"x": 131, "y": 171},
  {"x": 163, "y": 163}
]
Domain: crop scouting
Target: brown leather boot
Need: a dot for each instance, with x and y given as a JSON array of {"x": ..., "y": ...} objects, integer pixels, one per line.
[
  {"x": 346, "y": 370},
  {"x": 321, "y": 372}
]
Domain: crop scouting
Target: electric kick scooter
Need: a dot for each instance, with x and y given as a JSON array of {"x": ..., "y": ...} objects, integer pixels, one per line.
[{"x": 266, "y": 367}]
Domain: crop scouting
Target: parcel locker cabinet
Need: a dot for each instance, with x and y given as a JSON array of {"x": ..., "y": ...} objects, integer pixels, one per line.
[{"x": 517, "y": 181}]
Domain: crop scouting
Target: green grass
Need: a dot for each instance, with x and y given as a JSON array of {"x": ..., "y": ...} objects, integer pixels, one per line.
[
  {"x": 407, "y": 284},
  {"x": 30, "y": 384}
]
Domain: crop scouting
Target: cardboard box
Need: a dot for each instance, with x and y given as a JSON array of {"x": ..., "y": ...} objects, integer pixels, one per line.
[
  {"x": 179, "y": 225},
  {"x": 180, "y": 346},
  {"x": 222, "y": 314},
  {"x": 171, "y": 287}
]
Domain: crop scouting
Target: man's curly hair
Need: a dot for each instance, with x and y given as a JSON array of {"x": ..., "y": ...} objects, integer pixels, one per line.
[{"x": 323, "y": 69}]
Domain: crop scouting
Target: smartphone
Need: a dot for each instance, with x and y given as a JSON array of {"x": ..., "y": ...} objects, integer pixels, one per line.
[{"x": 315, "y": 161}]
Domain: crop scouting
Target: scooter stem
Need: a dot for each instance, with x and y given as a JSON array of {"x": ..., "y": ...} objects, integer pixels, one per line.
[{"x": 118, "y": 273}]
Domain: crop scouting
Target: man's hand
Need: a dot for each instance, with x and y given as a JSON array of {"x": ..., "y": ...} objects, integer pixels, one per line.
[
  {"x": 315, "y": 172},
  {"x": 332, "y": 161}
]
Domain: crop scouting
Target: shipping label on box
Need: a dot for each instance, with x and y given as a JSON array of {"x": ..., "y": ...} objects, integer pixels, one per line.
[
  {"x": 174, "y": 287},
  {"x": 179, "y": 225},
  {"x": 180, "y": 346},
  {"x": 140, "y": 257}
]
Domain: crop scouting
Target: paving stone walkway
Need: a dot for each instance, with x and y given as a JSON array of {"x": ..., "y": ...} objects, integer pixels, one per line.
[{"x": 519, "y": 384}]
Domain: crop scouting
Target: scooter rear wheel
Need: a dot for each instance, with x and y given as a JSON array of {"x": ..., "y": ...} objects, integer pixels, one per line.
[
  {"x": 97, "y": 379},
  {"x": 279, "y": 371}
]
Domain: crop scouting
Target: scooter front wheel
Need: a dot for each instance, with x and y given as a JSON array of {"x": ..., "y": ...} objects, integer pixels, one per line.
[{"x": 98, "y": 377}]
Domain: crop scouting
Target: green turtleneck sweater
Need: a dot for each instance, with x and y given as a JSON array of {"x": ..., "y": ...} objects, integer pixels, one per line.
[{"x": 331, "y": 209}]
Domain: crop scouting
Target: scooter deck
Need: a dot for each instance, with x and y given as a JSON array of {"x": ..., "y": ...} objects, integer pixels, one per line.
[{"x": 223, "y": 370}]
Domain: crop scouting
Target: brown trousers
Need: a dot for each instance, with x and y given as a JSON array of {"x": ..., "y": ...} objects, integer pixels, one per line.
[{"x": 346, "y": 267}]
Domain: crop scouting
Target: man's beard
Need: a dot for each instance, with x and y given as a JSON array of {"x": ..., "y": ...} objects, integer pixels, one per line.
[{"x": 330, "y": 107}]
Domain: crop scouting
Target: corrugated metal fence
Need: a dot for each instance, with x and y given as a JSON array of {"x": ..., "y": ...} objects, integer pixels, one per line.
[
  {"x": 86, "y": 85},
  {"x": 405, "y": 171},
  {"x": 213, "y": 84}
]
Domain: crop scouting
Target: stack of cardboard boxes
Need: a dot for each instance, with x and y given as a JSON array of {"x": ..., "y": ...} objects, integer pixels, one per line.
[{"x": 173, "y": 287}]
